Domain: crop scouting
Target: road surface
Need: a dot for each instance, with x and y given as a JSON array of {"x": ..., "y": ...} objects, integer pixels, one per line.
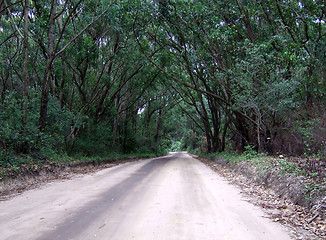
[{"x": 166, "y": 198}]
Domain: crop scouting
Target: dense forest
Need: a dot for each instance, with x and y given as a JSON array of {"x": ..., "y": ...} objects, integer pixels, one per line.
[{"x": 92, "y": 78}]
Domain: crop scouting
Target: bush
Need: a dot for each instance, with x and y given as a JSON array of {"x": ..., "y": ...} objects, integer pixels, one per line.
[
  {"x": 22, "y": 141},
  {"x": 93, "y": 140}
]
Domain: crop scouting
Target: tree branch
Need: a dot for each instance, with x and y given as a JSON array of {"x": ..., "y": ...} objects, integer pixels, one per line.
[{"x": 85, "y": 28}]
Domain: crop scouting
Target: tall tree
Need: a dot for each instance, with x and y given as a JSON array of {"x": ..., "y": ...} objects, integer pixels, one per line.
[{"x": 25, "y": 61}]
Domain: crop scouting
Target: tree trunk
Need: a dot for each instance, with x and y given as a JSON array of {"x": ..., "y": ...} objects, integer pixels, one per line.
[
  {"x": 247, "y": 23},
  {"x": 242, "y": 128},
  {"x": 2, "y": 8},
  {"x": 159, "y": 125},
  {"x": 125, "y": 135},
  {"x": 25, "y": 64},
  {"x": 216, "y": 143},
  {"x": 208, "y": 135},
  {"x": 47, "y": 74},
  {"x": 63, "y": 81},
  {"x": 115, "y": 129},
  {"x": 226, "y": 126}
]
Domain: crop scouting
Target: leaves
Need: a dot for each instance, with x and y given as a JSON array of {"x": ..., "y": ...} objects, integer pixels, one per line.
[{"x": 239, "y": 73}]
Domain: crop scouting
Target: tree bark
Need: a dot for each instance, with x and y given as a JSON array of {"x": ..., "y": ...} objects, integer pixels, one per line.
[
  {"x": 159, "y": 125},
  {"x": 63, "y": 81},
  {"x": 247, "y": 22},
  {"x": 1, "y": 8},
  {"x": 47, "y": 73},
  {"x": 25, "y": 63}
]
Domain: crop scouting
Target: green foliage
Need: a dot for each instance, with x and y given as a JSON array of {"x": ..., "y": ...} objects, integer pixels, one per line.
[
  {"x": 14, "y": 136},
  {"x": 227, "y": 156},
  {"x": 205, "y": 75},
  {"x": 176, "y": 146},
  {"x": 312, "y": 189},
  {"x": 249, "y": 152},
  {"x": 93, "y": 140},
  {"x": 23, "y": 142}
]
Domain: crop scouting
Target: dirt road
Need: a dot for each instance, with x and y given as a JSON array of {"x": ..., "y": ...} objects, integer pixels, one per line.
[{"x": 172, "y": 197}]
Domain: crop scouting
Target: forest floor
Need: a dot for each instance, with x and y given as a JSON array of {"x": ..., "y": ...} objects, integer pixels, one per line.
[{"x": 297, "y": 201}]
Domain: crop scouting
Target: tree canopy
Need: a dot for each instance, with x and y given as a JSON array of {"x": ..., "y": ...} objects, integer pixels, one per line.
[{"x": 82, "y": 77}]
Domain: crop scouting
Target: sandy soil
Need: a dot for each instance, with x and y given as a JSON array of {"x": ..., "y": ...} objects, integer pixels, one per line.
[{"x": 172, "y": 197}]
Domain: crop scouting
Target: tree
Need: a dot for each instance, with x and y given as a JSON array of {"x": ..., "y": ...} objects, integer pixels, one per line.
[{"x": 122, "y": 72}]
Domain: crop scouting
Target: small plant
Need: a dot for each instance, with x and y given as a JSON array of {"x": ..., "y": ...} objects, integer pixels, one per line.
[
  {"x": 287, "y": 167},
  {"x": 249, "y": 152},
  {"x": 314, "y": 174},
  {"x": 311, "y": 190}
]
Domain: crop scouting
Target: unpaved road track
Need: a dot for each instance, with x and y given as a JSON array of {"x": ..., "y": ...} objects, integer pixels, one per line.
[{"x": 172, "y": 197}]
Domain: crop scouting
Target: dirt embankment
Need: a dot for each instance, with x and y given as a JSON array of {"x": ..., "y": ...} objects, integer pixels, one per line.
[{"x": 285, "y": 197}]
